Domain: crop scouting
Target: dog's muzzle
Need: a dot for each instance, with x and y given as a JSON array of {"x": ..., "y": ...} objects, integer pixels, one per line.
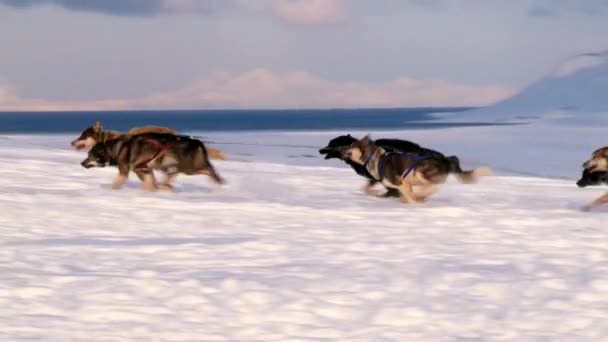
[
  {"x": 329, "y": 152},
  {"x": 78, "y": 144},
  {"x": 87, "y": 164},
  {"x": 332, "y": 152}
]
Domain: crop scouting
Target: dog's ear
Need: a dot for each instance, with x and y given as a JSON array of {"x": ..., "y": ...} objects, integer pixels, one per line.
[
  {"x": 366, "y": 140},
  {"x": 97, "y": 126}
]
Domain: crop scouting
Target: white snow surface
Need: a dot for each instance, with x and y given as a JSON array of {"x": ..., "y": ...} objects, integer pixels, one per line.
[{"x": 291, "y": 250}]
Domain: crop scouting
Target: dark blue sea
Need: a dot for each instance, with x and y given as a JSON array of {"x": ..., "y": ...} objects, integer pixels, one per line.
[{"x": 229, "y": 120}]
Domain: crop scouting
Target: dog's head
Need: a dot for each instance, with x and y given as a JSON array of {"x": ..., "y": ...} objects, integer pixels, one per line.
[
  {"x": 99, "y": 156},
  {"x": 598, "y": 161},
  {"x": 88, "y": 137},
  {"x": 336, "y": 145},
  {"x": 359, "y": 150},
  {"x": 592, "y": 178}
]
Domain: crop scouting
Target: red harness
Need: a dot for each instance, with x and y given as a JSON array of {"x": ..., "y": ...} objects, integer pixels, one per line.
[{"x": 162, "y": 148}]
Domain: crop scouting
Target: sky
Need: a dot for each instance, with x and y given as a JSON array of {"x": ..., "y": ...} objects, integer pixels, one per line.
[{"x": 183, "y": 54}]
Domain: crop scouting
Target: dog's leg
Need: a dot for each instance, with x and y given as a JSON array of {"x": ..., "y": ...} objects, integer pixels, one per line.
[
  {"x": 426, "y": 191},
  {"x": 121, "y": 178},
  {"x": 391, "y": 193},
  {"x": 146, "y": 175},
  {"x": 210, "y": 171},
  {"x": 407, "y": 194},
  {"x": 170, "y": 175},
  {"x": 149, "y": 181},
  {"x": 368, "y": 188},
  {"x": 139, "y": 175},
  {"x": 119, "y": 181},
  {"x": 168, "y": 182},
  {"x": 599, "y": 201}
]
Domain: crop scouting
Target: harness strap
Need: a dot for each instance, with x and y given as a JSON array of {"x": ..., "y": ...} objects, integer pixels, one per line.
[
  {"x": 381, "y": 165},
  {"x": 417, "y": 159},
  {"x": 368, "y": 163},
  {"x": 370, "y": 158},
  {"x": 161, "y": 150}
]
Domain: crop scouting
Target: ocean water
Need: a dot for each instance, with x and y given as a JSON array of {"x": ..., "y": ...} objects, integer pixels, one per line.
[{"x": 229, "y": 120}]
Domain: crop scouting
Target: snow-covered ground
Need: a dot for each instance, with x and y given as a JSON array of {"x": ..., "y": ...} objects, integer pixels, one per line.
[{"x": 291, "y": 250}]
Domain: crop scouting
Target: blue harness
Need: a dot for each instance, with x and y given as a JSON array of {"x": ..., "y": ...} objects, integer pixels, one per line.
[{"x": 416, "y": 158}]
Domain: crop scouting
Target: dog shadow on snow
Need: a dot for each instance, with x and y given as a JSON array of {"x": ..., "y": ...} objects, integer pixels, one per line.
[
  {"x": 187, "y": 188},
  {"x": 380, "y": 203}
]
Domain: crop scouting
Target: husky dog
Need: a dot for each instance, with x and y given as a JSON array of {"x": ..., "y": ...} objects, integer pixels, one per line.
[
  {"x": 402, "y": 171},
  {"x": 595, "y": 172},
  {"x": 94, "y": 134},
  {"x": 592, "y": 178},
  {"x": 336, "y": 147},
  {"x": 143, "y": 153},
  {"x": 598, "y": 161}
]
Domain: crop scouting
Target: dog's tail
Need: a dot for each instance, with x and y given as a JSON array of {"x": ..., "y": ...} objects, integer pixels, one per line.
[
  {"x": 467, "y": 177},
  {"x": 215, "y": 154}
]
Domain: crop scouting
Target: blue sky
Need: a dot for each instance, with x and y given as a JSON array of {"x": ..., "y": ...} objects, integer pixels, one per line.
[{"x": 110, "y": 54}]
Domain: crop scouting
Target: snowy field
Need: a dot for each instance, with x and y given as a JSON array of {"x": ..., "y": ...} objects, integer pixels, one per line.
[{"x": 291, "y": 250}]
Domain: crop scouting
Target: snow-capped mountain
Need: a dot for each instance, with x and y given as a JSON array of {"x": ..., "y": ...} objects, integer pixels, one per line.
[{"x": 577, "y": 88}]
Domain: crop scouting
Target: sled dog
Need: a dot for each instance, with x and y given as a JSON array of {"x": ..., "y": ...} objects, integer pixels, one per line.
[
  {"x": 595, "y": 172},
  {"x": 403, "y": 171},
  {"x": 94, "y": 134},
  {"x": 336, "y": 147},
  {"x": 143, "y": 153}
]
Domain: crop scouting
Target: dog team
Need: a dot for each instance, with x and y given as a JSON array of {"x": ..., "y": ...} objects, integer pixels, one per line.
[{"x": 398, "y": 165}]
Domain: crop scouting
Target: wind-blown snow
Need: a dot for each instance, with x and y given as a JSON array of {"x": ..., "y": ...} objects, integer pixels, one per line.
[
  {"x": 575, "y": 88},
  {"x": 291, "y": 250}
]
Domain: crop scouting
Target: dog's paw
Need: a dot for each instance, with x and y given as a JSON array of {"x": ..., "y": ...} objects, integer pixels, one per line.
[
  {"x": 372, "y": 192},
  {"x": 166, "y": 187},
  {"x": 410, "y": 201},
  {"x": 150, "y": 188},
  {"x": 420, "y": 199}
]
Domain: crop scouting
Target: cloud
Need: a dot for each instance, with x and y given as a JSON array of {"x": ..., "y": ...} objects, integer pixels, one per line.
[
  {"x": 126, "y": 7},
  {"x": 262, "y": 88},
  {"x": 310, "y": 12}
]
